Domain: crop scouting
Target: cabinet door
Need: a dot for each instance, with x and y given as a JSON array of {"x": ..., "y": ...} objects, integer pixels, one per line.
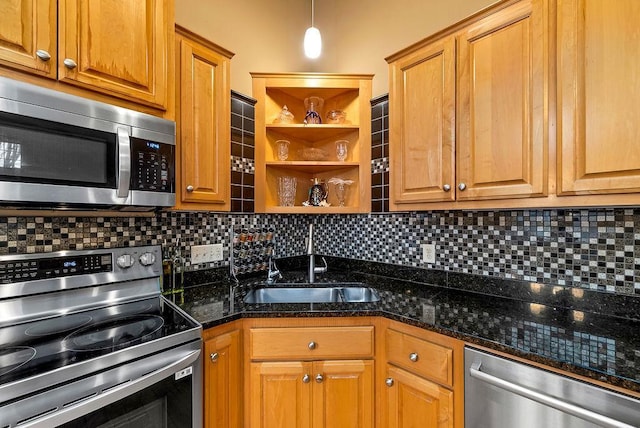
[
  {"x": 422, "y": 127},
  {"x": 28, "y": 35},
  {"x": 344, "y": 395},
  {"x": 222, "y": 372},
  {"x": 205, "y": 172},
  {"x": 117, "y": 46},
  {"x": 280, "y": 395},
  {"x": 415, "y": 402},
  {"x": 502, "y": 143},
  {"x": 598, "y": 96}
]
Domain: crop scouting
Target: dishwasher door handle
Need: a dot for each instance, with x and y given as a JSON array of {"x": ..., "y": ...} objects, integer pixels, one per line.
[{"x": 547, "y": 400}]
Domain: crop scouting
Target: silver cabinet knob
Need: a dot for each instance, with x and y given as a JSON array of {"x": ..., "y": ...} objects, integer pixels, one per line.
[
  {"x": 312, "y": 345},
  {"x": 389, "y": 382},
  {"x": 319, "y": 378},
  {"x": 214, "y": 357},
  {"x": 306, "y": 378},
  {"x": 462, "y": 186},
  {"x": 413, "y": 357},
  {"x": 69, "y": 63},
  {"x": 43, "y": 55},
  {"x": 446, "y": 187},
  {"x": 189, "y": 188}
]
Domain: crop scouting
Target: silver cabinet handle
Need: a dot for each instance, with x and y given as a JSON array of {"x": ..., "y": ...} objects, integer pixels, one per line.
[
  {"x": 306, "y": 378},
  {"x": 446, "y": 187},
  {"x": 312, "y": 345},
  {"x": 462, "y": 186},
  {"x": 189, "y": 188},
  {"x": 413, "y": 357},
  {"x": 319, "y": 378},
  {"x": 214, "y": 357},
  {"x": 43, "y": 55},
  {"x": 69, "y": 63},
  {"x": 389, "y": 382},
  {"x": 547, "y": 400}
]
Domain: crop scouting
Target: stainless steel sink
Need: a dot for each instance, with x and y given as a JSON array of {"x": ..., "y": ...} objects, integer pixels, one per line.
[
  {"x": 332, "y": 294},
  {"x": 359, "y": 294}
]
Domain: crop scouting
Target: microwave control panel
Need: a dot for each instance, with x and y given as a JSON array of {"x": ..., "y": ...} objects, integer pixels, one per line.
[{"x": 152, "y": 166}]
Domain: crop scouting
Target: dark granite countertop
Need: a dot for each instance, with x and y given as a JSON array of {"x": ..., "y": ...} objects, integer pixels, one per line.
[{"x": 556, "y": 326}]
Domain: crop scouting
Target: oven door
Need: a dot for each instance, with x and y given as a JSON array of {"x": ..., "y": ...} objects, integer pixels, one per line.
[{"x": 163, "y": 390}]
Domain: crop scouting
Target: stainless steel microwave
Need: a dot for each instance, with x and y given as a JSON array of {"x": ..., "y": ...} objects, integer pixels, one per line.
[{"x": 62, "y": 151}]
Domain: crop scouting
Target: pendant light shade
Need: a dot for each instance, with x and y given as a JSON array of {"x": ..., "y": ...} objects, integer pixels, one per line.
[{"x": 312, "y": 39}]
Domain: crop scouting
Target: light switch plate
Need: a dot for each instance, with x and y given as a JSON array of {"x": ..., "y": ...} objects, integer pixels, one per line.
[
  {"x": 429, "y": 253},
  {"x": 206, "y": 253}
]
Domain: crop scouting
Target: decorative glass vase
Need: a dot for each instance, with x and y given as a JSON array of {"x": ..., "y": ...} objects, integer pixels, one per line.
[{"x": 314, "y": 107}]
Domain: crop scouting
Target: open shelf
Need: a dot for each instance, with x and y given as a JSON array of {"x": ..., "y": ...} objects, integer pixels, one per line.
[{"x": 349, "y": 93}]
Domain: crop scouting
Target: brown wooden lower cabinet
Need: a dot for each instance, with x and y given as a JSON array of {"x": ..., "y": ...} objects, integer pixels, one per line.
[
  {"x": 421, "y": 382},
  {"x": 223, "y": 377},
  {"x": 416, "y": 402},
  {"x": 314, "y": 394},
  {"x": 303, "y": 373}
]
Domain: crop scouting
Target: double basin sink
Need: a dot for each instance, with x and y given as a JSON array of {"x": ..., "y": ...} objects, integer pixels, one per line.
[{"x": 326, "y": 293}]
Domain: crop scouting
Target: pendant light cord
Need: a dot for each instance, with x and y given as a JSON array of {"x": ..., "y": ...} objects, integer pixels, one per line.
[{"x": 312, "y": 9}]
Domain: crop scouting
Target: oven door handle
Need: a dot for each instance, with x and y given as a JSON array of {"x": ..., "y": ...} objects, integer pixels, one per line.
[
  {"x": 124, "y": 163},
  {"x": 111, "y": 395}
]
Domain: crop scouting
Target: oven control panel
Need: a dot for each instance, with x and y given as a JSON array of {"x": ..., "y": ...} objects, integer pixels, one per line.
[
  {"x": 28, "y": 274},
  {"x": 54, "y": 267}
]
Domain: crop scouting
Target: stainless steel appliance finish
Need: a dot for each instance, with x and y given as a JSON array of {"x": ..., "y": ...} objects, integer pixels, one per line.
[
  {"x": 334, "y": 293},
  {"x": 503, "y": 393},
  {"x": 86, "y": 336},
  {"x": 59, "y": 150}
]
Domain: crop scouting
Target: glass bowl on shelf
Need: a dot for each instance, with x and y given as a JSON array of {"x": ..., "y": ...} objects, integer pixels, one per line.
[
  {"x": 336, "y": 117},
  {"x": 313, "y": 154}
]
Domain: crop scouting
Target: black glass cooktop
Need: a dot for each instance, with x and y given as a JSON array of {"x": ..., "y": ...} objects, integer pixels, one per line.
[{"x": 37, "y": 347}]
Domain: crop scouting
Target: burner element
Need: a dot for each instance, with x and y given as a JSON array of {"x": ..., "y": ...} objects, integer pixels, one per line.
[
  {"x": 14, "y": 357},
  {"x": 113, "y": 334},
  {"x": 58, "y": 325}
]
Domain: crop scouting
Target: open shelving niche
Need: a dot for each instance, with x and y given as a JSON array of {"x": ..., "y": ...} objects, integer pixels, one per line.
[{"x": 350, "y": 93}]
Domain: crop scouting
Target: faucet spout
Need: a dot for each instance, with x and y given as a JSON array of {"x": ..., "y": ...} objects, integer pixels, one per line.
[
  {"x": 310, "y": 240},
  {"x": 313, "y": 270}
]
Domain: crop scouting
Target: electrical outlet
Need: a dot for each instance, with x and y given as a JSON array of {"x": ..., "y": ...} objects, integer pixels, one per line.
[
  {"x": 206, "y": 253},
  {"x": 429, "y": 253}
]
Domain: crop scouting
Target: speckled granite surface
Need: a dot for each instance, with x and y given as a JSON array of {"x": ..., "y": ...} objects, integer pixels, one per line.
[{"x": 582, "y": 332}]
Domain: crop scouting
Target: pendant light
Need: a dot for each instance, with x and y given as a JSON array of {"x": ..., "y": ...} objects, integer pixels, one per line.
[{"x": 312, "y": 39}]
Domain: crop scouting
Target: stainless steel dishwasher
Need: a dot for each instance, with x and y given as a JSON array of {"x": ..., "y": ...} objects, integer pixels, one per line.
[{"x": 501, "y": 393}]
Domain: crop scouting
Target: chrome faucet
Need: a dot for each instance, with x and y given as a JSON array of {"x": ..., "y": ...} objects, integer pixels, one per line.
[{"x": 313, "y": 270}]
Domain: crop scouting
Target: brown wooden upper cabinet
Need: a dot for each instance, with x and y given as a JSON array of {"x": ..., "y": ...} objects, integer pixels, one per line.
[
  {"x": 528, "y": 103},
  {"x": 467, "y": 112},
  {"x": 422, "y": 127},
  {"x": 120, "y": 48},
  {"x": 203, "y": 178},
  {"x": 598, "y": 97},
  {"x": 501, "y": 143},
  {"x": 28, "y": 39}
]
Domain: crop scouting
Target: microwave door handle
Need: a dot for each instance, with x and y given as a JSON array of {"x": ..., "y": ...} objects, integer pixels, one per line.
[{"x": 124, "y": 163}]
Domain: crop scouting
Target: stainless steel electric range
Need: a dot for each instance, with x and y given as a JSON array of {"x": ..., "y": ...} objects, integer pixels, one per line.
[{"x": 87, "y": 340}]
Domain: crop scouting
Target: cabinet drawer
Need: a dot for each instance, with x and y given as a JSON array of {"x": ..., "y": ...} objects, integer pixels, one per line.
[
  {"x": 421, "y": 357},
  {"x": 311, "y": 342}
]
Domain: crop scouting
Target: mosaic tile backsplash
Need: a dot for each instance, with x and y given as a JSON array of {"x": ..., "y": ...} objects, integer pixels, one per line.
[
  {"x": 380, "y": 154},
  {"x": 594, "y": 249},
  {"x": 243, "y": 166}
]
